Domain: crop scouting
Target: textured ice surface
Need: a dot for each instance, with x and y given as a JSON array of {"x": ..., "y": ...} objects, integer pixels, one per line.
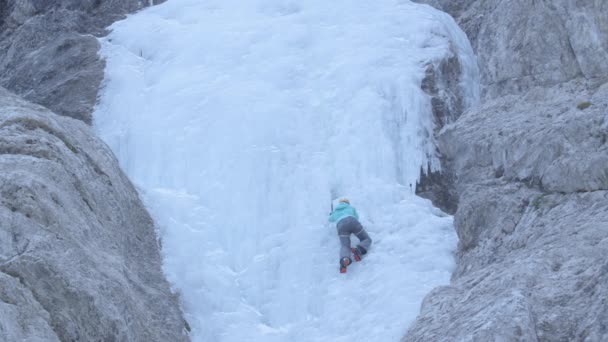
[{"x": 240, "y": 120}]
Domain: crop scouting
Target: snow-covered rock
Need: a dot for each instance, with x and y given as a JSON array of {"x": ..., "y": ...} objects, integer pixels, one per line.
[{"x": 79, "y": 258}]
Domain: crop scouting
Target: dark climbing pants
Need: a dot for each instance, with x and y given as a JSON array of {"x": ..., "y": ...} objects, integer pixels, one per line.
[{"x": 346, "y": 227}]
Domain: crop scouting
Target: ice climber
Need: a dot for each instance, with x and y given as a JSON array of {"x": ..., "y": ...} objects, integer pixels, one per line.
[{"x": 347, "y": 222}]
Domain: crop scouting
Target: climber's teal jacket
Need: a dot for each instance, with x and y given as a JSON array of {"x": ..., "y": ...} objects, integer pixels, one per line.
[{"x": 341, "y": 211}]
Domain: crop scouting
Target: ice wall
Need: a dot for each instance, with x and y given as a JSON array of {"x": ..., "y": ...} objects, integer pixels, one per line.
[{"x": 240, "y": 121}]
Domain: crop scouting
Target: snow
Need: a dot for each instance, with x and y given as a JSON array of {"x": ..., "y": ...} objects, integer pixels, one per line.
[{"x": 240, "y": 121}]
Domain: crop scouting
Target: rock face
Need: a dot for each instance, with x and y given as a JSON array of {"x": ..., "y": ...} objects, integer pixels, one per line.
[
  {"x": 79, "y": 258},
  {"x": 522, "y": 44},
  {"x": 48, "y": 50},
  {"x": 532, "y": 222},
  {"x": 530, "y": 170}
]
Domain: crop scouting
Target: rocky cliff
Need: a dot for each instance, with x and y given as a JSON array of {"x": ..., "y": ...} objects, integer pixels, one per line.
[
  {"x": 530, "y": 171},
  {"x": 523, "y": 44},
  {"x": 79, "y": 258},
  {"x": 48, "y": 50}
]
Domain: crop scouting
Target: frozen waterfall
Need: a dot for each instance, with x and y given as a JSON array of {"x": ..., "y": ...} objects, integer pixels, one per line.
[{"x": 239, "y": 121}]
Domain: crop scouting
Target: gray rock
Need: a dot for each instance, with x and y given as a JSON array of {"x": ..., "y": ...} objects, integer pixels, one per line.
[
  {"x": 541, "y": 138},
  {"x": 532, "y": 220},
  {"x": 522, "y": 44},
  {"x": 22, "y": 318},
  {"x": 542, "y": 279},
  {"x": 48, "y": 50},
  {"x": 78, "y": 252},
  {"x": 530, "y": 173}
]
